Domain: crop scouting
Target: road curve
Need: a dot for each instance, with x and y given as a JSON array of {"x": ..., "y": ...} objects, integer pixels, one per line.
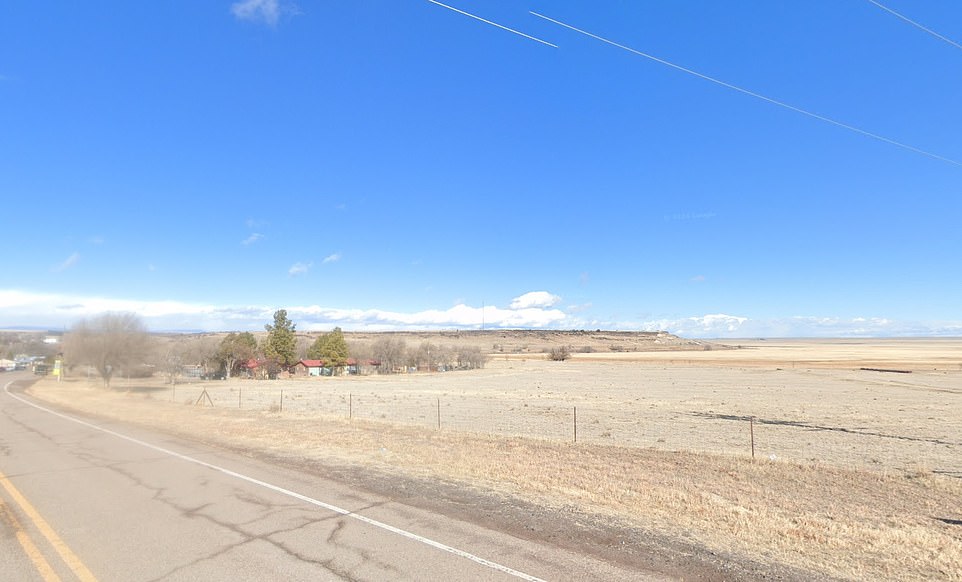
[{"x": 84, "y": 499}]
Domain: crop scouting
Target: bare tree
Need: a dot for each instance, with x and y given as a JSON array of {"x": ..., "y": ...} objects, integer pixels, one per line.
[
  {"x": 446, "y": 358},
  {"x": 173, "y": 359},
  {"x": 237, "y": 347},
  {"x": 110, "y": 342},
  {"x": 204, "y": 351},
  {"x": 304, "y": 343},
  {"x": 390, "y": 353},
  {"x": 427, "y": 357},
  {"x": 469, "y": 358}
]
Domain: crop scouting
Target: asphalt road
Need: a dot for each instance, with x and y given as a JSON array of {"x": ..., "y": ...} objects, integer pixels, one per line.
[{"x": 84, "y": 499}]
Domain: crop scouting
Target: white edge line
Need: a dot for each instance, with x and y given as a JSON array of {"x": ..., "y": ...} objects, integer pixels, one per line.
[{"x": 288, "y": 492}]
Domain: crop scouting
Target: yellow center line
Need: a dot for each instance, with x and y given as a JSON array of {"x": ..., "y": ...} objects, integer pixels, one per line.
[
  {"x": 39, "y": 562},
  {"x": 70, "y": 558}
]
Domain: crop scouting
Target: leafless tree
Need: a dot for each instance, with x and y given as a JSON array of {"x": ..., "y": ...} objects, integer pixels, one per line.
[
  {"x": 173, "y": 359},
  {"x": 304, "y": 343},
  {"x": 391, "y": 353},
  {"x": 112, "y": 342},
  {"x": 204, "y": 351},
  {"x": 235, "y": 348},
  {"x": 470, "y": 358},
  {"x": 427, "y": 357}
]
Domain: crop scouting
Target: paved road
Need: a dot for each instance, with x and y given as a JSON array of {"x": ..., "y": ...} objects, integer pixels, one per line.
[{"x": 83, "y": 499}]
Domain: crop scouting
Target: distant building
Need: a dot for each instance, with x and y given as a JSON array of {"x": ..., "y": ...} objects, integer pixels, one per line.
[{"x": 310, "y": 368}]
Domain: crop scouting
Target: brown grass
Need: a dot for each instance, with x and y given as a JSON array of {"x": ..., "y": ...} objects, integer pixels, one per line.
[{"x": 861, "y": 524}]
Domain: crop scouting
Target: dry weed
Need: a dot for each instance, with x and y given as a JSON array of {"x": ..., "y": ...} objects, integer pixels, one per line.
[{"x": 850, "y": 524}]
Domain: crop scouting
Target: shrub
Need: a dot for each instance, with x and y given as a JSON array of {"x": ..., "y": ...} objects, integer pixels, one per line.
[{"x": 559, "y": 354}]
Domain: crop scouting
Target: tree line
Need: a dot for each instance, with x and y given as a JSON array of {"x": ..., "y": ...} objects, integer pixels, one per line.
[{"x": 119, "y": 344}]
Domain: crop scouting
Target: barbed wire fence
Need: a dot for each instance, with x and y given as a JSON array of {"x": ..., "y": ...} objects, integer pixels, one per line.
[{"x": 622, "y": 424}]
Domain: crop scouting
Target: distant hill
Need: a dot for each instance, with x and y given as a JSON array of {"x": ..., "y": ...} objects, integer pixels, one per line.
[
  {"x": 516, "y": 342},
  {"x": 529, "y": 341}
]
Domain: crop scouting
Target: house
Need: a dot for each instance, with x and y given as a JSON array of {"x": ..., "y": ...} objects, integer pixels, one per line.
[
  {"x": 255, "y": 368},
  {"x": 310, "y": 368}
]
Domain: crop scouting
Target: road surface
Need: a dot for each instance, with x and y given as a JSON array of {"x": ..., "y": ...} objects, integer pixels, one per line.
[{"x": 85, "y": 499}]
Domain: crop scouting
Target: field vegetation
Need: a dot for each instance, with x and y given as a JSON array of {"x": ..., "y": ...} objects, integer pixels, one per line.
[{"x": 856, "y": 473}]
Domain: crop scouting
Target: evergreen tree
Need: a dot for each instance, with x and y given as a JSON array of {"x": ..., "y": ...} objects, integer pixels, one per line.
[
  {"x": 331, "y": 348},
  {"x": 281, "y": 345}
]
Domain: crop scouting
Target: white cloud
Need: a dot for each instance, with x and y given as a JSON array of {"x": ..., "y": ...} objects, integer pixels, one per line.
[
  {"x": 253, "y": 238},
  {"x": 730, "y": 326},
  {"x": 266, "y": 11},
  {"x": 67, "y": 263},
  {"x": 458, "y": 316},
  {"x": 713, "y": 325},
  {"x": 58, "y": 310},
  {"x": 299, "y": 269},
  {"x": 535, "y": 299},
  {"x": 333, "y": 258}
]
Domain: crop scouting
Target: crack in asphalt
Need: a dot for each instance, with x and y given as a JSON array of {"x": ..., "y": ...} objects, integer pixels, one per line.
[
  {"x": 82, "y": 451},
  {"x": 266, "y": 510}
]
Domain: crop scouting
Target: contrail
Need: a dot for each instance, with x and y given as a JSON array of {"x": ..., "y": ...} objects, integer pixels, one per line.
[
  {"x": 493, "y": 23},
  {"x": 917, "y": 25},
  {"x": 753, "y": 94}
]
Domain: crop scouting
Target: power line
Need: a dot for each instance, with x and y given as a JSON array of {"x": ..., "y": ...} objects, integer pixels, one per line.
[
  {"x": 917, "y": 25},
  {"x": 493, "y": 23},
  {"x": 752, "y": 93}
]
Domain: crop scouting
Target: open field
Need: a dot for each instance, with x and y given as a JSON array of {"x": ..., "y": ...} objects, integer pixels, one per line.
[
  {"x": 943, "y": 354},
  {"x": 858, "y": 473}
]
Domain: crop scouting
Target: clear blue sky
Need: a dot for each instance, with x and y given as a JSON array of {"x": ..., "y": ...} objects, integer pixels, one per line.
[{"x": 387, "y": 164}]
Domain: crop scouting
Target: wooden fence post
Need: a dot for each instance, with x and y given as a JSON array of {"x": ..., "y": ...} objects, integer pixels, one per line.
[{"x": 576, "y": 423}]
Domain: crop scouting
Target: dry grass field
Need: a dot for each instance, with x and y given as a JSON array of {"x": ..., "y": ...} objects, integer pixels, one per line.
[{"x": 857, "y": 473}]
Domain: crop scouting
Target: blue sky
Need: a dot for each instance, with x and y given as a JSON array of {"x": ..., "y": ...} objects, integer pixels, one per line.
[{"x": 391, "y": 164}]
